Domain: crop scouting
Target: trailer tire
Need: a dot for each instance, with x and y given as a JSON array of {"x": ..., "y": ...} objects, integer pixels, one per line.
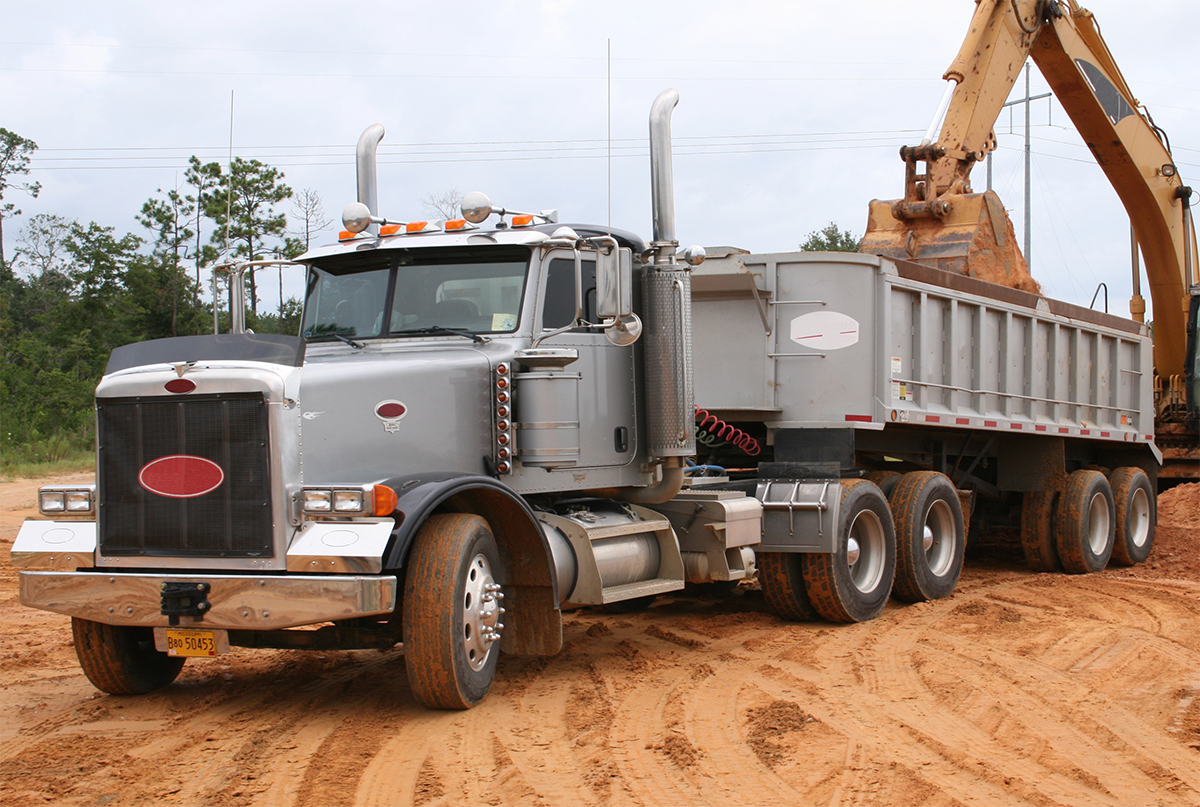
[
  {"x": 1084, "y": 524},
  {"x": 453, "y": 564},
  {"x": 781, "y": 575},
  {"x": 886, "y": 480},
  {"x": 1136, "y": 515},
  {"x": 1037, "y": 531},
  {"x": 852, "y": 584},
  {"x": 121, "y": 659},
  {"x": 930, "y": 537}
]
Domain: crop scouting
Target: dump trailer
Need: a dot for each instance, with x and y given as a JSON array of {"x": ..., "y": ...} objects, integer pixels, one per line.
[{"x": 819, "y": 372}]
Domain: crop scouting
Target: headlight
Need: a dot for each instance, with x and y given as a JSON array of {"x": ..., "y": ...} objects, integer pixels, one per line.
[
  {"x": 79, "y": 501},
  {"x": 348, "y": 501},
  {"x": 54, "y": 500},
  {"x": 335, "y": 501},
  {"x": 318, "y": 501},
  {"x": 365, "y": 500}
]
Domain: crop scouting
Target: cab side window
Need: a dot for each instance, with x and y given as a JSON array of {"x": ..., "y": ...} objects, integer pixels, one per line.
[{"x": 558, "y": 308}]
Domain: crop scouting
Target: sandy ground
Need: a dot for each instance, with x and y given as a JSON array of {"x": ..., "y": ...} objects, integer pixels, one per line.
[{"x": 1021, "y": 689}]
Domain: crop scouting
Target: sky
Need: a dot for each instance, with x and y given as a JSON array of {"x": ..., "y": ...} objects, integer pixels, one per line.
[{"x": 791, "y": 113}]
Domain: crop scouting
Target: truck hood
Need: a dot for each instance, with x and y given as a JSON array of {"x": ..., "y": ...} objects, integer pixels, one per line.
[{"x": 370, "y": 416}]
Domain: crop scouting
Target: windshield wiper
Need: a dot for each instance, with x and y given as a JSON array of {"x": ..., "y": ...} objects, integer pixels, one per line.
[
  {"x": 347, "y": 340},
  {"x": 447, "y": 331}
]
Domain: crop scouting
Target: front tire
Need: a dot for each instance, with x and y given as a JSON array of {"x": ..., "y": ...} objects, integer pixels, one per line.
[
  {"x": 1137, "y": 515},
  {"x": 120, "y": 659},
  {"x": 452, "y": 611},
  {"x": 930, "y": 538},
  {"x": 853, "y": 583},
  {"x": 1084, "y": 524}
]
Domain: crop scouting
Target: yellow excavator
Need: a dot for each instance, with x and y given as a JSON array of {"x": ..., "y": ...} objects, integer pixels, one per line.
[{"x": 941, "y": 222}]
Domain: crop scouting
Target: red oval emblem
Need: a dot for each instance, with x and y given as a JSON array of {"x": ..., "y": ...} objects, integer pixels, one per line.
[
  {"x": 180, "y": 385},
  {"x": 390, "y": 410},
  {"x": 181, "y": 476}
]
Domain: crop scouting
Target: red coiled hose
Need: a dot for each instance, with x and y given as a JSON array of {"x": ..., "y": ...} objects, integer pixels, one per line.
[{"x": 708, "y": 424}]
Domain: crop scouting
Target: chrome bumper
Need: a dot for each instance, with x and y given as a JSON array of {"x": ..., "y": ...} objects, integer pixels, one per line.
[{"x": 239, "y": 602}]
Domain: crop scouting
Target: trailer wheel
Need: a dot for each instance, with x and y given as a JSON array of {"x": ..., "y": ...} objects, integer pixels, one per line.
[
  {"x": 781, "y": 575},
  {"x": 885, "y": 479},
  {"x": 930, "y": 538},
  {"x": 1084, "y": 524},
  {"x": 1136, "y": 515},
  {"x": 853, "y": 583},
  {"x": 452, "y": 603},
  {"x": 1037, "y": 531},
  {"x": 120, "y": 659}
]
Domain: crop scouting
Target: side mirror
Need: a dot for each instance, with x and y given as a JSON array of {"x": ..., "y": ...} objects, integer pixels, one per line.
[{"x": 614, "y": 283}]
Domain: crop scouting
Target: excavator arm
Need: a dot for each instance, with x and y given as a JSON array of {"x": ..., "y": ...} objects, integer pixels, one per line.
[{"x": 940, "y": 221}]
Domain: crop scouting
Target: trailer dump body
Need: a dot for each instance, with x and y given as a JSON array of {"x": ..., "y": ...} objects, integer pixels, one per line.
[{"x": 842, "y": 340}]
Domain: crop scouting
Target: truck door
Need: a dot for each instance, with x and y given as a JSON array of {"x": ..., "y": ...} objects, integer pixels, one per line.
[{"x": 607, "y": 411}]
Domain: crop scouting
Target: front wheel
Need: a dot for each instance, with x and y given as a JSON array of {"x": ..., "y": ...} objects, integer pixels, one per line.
[
  {"x": 1136, "y": 515},
  {"x": 930, "y": 538},
  {"x": 1084, "y": 523},
  {"x": 853, "y": 583},
  {"x": 452, "y": 602},
  {"x": 121, "y": 659}
]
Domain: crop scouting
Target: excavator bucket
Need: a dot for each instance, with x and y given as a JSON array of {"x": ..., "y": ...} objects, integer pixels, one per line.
[{"x": 973, "y": 236}]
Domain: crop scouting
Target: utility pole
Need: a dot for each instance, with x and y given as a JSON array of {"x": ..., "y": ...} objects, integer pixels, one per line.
[{"x": 1026, "y": 101}]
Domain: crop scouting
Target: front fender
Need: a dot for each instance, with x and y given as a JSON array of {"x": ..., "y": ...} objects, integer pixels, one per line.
[{"x": 530, "y": 584}]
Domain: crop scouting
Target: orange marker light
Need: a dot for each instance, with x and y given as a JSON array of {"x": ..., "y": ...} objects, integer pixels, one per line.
[
  {"x": 416, "y": 226},
  {"x": 455, "y": 224},
  {"x": 522, "y": 221},
  {"x": 346, "y": 235},
  {"x": 389, "y": 229},
  {"x": 385, "y": 500}
]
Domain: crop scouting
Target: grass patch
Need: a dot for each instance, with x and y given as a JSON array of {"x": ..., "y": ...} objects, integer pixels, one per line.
[{"x": 37, "y": 456}]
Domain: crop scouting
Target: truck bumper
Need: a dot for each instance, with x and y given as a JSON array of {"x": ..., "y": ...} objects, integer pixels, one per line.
[{"x": 238, "y": 602}]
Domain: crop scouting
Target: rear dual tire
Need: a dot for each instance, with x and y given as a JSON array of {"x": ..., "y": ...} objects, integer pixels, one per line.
[
  {"x": 852, "y": 583},
  {"x": 930, "y": 536},
  {"x": 1085, "y": 523}
]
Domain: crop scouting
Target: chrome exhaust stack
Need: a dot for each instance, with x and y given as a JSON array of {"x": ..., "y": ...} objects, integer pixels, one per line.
[
  {"x": 368, "y": 178},
  {"x": 667, "y": 291}
]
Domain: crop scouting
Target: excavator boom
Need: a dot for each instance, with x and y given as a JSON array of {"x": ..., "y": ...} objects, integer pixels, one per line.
[{"x": 941, "y": 222}]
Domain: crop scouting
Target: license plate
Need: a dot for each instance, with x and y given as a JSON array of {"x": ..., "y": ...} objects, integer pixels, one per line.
[{"x": 203, "y": 643}]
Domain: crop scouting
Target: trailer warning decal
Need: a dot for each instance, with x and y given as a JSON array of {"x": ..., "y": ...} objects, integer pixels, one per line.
[{"x": 825, "y": 330}]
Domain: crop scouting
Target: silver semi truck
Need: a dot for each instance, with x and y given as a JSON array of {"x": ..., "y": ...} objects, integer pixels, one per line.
[{"x": 480, "y": 426}]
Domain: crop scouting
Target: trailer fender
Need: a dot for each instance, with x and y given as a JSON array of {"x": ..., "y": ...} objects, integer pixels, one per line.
[{"x": 533, "y": 620}]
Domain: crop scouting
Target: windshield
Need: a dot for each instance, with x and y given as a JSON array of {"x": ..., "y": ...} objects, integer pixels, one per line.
[{"x": 407, "y": 293}]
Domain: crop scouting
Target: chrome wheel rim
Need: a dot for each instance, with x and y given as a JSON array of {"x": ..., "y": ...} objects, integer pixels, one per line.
[
  {"x": 865, "y": 551},
  {"x": 1099, "y": 524},
  {"x": 939, "y": 538},
  {"x": 481, "y": 626},
  {"x": 1139, "y": 518}
]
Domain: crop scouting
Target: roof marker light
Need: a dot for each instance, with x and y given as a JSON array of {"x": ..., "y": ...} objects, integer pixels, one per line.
[
  {"x": 522, "y": 221},
  {"x": 417, "y": 227},
  {"x": 389, "y": 229},
  {"x": 458, "y": 224},
  {"x": 346, "y": 235}
]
